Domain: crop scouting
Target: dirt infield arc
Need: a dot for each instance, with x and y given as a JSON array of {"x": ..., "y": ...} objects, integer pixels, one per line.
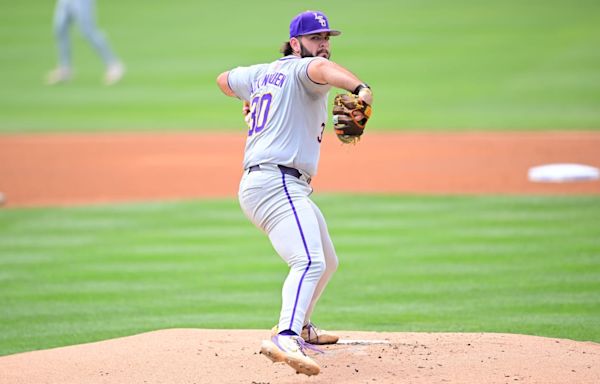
[{"x": 64, "y": 169}]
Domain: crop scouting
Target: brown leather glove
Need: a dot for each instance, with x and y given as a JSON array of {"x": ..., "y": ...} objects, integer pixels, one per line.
[{"x": 350, "y": 115}]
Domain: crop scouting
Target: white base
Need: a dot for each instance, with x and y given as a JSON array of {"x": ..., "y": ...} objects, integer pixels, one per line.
[{"x": 560, "y": 173}]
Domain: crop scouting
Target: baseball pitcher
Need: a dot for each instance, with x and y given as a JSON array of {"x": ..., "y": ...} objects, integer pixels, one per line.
[{"x": 285, "y": 106}]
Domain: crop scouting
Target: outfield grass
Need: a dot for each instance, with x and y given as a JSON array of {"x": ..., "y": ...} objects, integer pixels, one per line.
[
  {"x": 526, "y": 265},
  {"x": 433, "y": 65}
]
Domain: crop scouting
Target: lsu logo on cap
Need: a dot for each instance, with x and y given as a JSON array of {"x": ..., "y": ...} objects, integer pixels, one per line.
[{"x": 320, "y": 19}]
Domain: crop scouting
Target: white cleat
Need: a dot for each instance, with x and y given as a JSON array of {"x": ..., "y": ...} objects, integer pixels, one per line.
[
  {"x": 289, "y": 350},
  {"x": 114, "y": 73},
  {"x": 58, "y": 75}
]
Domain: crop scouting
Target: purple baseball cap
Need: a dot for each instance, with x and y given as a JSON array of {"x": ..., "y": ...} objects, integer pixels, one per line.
[{"x": 310, "y": 22}]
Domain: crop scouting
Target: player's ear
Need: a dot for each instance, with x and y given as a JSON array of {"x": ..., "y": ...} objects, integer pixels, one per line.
[{"x": 295, "y": 44}]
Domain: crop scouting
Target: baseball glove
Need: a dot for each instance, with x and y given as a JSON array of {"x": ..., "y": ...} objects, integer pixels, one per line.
[{"x": 350, "y": 115}]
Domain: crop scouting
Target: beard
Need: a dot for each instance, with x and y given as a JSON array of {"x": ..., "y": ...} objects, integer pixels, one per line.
[{"x": 320, "y": 53}]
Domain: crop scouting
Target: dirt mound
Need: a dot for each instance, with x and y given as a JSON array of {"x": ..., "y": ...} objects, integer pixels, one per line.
[{"x": 231, "y": 356}]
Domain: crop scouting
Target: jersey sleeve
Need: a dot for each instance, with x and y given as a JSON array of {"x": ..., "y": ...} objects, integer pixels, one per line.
[
  {"x": 307, "y": 82},
  {"x": 240, "y": 81}
]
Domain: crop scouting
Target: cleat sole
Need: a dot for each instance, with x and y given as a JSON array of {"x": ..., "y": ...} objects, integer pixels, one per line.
[{"x": 301, "y": 365}]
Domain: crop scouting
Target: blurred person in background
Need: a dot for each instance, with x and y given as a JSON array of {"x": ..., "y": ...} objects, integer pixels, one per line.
[{"x": 84, "y": 13}]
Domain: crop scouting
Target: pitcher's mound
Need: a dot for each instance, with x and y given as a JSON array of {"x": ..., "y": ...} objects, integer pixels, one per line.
[{"x": 231, "y": 356}]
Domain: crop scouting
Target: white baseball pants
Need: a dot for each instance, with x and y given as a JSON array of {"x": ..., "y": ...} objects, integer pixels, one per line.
[{"x": 279, "y": 204}]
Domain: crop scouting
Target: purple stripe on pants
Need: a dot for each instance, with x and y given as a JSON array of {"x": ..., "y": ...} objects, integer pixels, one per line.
[{"x": 305, "y": 248}]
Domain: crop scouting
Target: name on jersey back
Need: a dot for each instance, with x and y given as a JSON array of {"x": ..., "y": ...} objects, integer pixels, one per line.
[{"x": 277, "y": 79}]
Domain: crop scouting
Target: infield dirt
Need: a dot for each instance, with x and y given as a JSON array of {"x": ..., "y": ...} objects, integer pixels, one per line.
[{"x": 65, "y": 169}]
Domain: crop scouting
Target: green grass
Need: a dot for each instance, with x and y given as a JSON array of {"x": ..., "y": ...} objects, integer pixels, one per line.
[
  {"x": 527, "y": 265},
  {"x": 434, "y": 65}
]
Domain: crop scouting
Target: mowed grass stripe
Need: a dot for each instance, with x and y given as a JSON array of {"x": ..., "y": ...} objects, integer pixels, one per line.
[
  {"x": 465, "y": 264},
  {"x": 459, "y": 65},
  {"x": 495, "y": 264}
]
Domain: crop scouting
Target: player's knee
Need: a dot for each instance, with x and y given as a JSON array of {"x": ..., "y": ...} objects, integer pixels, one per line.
[
  {"x": 317, "y": 268},
  {"x": 314, "y": 268},
  {"x": 90, "y": 34},
  {"x": 60, "y": 30}
]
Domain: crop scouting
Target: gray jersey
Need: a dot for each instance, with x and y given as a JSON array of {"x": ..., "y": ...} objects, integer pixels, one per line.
[{"x": 288, "y": 113}]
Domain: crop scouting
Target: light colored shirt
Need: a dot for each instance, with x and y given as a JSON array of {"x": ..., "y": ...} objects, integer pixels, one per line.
[{"x": 288, "y": 113}]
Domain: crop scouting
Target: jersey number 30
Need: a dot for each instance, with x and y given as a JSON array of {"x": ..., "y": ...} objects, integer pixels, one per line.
[{"x": 259, "y": 113}]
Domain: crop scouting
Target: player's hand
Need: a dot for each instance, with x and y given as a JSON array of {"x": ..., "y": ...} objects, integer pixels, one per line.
[
  {"x": 366, "y": 95},
  {"x": 246, "y": 113}
]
